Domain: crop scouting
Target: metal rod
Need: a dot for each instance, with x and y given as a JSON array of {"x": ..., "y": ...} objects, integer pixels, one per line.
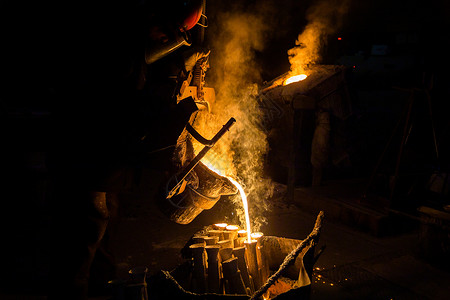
[{"x": 198, "y": 136}]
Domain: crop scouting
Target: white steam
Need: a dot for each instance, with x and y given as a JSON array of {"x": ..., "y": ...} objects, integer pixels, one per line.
[{"x": 234, "y": 72}]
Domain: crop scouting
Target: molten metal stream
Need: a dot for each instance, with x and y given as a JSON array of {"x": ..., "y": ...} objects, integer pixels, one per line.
[
  {"x": 243, "y": 197},
  {"x": 245, "y": 204}
]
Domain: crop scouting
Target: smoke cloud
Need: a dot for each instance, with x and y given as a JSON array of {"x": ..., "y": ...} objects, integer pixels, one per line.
[
  {"x": 239, "y": 32},
  {"x": 323, "y": 19},
  {"x": 233, "y": 74}
]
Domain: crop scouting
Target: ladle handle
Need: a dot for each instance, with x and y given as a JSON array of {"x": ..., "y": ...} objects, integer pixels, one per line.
[{"x": 199, "y": 156}]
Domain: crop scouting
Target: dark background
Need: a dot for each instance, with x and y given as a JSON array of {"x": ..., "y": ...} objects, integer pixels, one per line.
[{"x": 414, "y": 32}]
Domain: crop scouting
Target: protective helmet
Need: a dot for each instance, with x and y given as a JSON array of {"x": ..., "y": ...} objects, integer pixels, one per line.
[
  {"x": 191, "y": 14},
  {"x": 184, "y": 15}
]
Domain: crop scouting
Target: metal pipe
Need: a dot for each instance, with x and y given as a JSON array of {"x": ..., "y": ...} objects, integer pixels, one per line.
[{"x": 197, "y": 135}]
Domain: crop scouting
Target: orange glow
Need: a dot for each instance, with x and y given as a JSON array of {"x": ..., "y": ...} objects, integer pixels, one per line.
[
  {"x": 256, "y": 235},
  {"x": 295, "y": 78},
  {"x": 339, "y": 39},
  {"x": 241, "y": 192},
  {"x": 232, "y": 227},
  {"x": 245, "y": 204},
  {"x": 242, "y": 232},
  {"x": 221, "y": 225},
  {"x": 210, "y": 166}
]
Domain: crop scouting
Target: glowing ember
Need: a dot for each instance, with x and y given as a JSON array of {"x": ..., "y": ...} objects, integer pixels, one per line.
[
  {"x": 220, "y": 226},
  {"x": 232, "y": 227},
  {"x": 295, "y": 78},
  {"x": 256, "y": 235},
  {"x": 245, "y": 204}
]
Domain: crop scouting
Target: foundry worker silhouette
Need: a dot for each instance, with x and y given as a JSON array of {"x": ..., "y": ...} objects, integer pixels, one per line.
[{"x": 112, "y": 105}]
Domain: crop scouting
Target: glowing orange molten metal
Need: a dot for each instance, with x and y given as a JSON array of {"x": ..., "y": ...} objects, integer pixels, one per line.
[
  {"x": 245, "y": 204},
  {"x": 241, "y": 192},
  {"x": 295, "y": 78}
]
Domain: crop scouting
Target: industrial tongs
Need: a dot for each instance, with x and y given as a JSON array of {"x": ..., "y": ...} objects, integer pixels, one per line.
[{"x": 208, "y": 145}]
